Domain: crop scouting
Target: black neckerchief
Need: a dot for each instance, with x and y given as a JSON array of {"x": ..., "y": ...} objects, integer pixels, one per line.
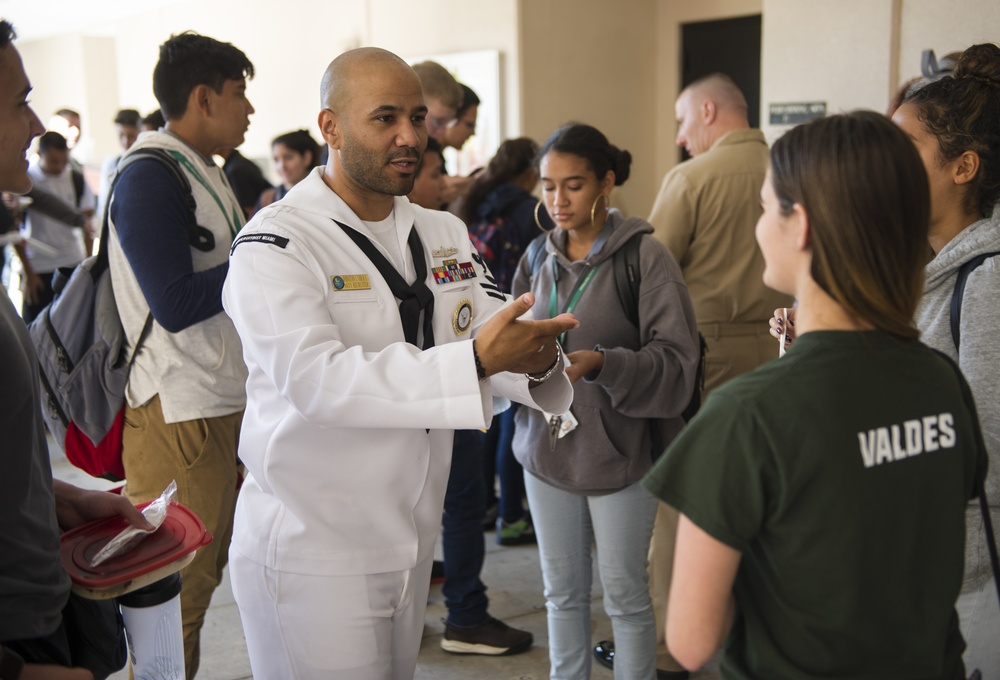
[{"x": 412, "y": 299}]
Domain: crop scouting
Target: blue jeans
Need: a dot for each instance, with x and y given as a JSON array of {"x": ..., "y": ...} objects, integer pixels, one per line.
[
  {"x": 462, "y": 532},
  {"x": 621, "y": 523},
  {"x": 499, "y": 461}
]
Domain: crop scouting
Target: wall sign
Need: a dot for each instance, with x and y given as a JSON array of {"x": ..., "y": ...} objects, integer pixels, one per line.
[{"x": 796, "y": 112}]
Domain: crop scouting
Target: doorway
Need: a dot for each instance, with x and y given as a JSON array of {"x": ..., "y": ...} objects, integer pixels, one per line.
[{"x": 730, "y": 46}]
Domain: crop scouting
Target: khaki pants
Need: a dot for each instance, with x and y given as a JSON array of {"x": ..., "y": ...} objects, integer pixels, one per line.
[
  {"x": 733, "y": 349},
  {"x": 200, "y": 455}
]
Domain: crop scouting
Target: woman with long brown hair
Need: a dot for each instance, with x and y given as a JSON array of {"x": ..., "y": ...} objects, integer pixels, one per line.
[{"x": 823, "y": 496}]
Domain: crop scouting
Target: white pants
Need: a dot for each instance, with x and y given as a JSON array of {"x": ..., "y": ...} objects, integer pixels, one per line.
[{"x": 299, "y": 627}]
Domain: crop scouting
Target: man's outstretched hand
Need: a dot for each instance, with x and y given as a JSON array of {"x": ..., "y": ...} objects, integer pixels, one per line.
[{"x": 506, "y": 343}]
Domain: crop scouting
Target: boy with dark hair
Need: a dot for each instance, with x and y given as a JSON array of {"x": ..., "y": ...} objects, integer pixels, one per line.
[
  {"x": 188, "y": 60},
  {"x": 55, "y": 244},
  {"x": 186, "y": 391}
]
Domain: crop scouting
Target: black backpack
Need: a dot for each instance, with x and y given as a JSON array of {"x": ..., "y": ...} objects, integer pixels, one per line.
[{"x": 628, "y": 277}]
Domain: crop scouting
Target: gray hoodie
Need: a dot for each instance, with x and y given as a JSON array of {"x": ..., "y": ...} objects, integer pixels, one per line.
[
  {"x": 979, "y": 357},
  {"x": 633, "y": 405}
]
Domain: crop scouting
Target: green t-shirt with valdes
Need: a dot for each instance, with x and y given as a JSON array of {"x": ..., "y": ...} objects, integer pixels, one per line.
[{"x": 842, "y": 473}]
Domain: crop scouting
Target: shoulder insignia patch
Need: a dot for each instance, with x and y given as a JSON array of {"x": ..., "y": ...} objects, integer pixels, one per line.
[{"x": 272, "y": 239}]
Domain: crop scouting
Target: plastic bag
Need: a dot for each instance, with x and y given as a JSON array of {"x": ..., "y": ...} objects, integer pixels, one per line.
[{"x": 129, "y": 537}]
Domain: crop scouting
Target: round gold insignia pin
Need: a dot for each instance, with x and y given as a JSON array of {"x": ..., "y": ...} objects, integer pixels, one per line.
[{"x": 462, "y": 319}]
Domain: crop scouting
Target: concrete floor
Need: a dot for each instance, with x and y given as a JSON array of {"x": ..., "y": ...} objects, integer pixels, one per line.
[{"x": 512, "y": 574}]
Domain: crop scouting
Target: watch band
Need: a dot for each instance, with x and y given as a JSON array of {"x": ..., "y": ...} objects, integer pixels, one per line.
[{"x": 538, "y": 379}]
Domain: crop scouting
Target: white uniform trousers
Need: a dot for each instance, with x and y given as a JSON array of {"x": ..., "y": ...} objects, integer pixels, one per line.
[{"x": 300, "y": 627}]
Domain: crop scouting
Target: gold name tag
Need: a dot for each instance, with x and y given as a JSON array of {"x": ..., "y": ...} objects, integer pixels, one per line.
[{"x": 351, "y": 282}]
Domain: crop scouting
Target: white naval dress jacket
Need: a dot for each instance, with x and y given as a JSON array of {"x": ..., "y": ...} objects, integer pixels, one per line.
[{"x": 348, "y": 428}]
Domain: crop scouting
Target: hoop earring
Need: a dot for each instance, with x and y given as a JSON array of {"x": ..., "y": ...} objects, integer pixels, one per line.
[
  {"x": 593, "y": 208},
  {"x": 538, "y": 222}
]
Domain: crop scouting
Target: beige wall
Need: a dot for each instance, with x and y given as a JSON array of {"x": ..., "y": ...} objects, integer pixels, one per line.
[
  {"x": 835, "y": 51},
  {"x": 612, "y": 65},
  {"x": 944, "y": 27},
  {"x": 855, "y": 53},
  {"x": 600, "y": 71}
]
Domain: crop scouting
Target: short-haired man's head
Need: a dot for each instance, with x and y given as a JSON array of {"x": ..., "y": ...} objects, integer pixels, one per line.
[
  {"x": 51, "y": 141},
  {"x": 127, "y": 117},
  {"x": 722, "y": 90},
  {"x": 863, "y": 187},
  {"x": 188, "y": 60},
  {"x": 707, "y": 109},
  {"x": 7, "y": 33}
]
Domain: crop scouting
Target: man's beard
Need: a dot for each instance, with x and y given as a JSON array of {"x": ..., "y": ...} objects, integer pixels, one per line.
[{"x": 369, "y": 170}]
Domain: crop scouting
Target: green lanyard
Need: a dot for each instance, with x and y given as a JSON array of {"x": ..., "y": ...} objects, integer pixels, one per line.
[
  {"x": 574, "y": 297},
  {"x": 234, "y": 220}
]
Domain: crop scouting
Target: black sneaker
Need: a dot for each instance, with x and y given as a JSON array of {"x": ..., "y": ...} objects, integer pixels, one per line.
[{"x": 492, "y": 637}]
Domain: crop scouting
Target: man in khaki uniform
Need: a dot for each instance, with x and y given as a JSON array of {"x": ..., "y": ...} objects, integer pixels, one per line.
[{"x": 705, "y": 214}]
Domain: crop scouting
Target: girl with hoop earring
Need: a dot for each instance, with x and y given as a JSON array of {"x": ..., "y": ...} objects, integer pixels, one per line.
[{"x": 631, "y": 384}]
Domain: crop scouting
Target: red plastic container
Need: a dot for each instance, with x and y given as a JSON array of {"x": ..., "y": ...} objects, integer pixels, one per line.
[{"x": 181, "y": 534}]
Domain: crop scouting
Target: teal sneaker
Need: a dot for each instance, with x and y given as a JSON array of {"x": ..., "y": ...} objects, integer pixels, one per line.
[{"x": 516, "y": 533}]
